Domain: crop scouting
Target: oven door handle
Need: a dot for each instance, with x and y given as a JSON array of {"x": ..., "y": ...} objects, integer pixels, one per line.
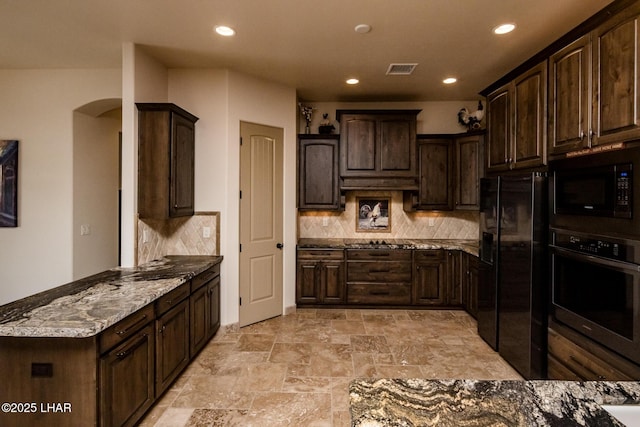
[{"x": 621, "y": 265}]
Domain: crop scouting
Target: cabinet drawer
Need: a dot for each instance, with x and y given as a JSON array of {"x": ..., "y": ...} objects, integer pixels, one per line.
[
  {"x": 125, "y": 328},
  {"x": 205, "y": 277},
  {"x": 321, "y": 254},
  {"x": 379, "y": 254},
  {"x": 379, "y": 293},
  {"x": 170, "y": 300},
  {"x": 581, "y": 362},
  {"x": 370, "y": 271},
  {"x": 434, "y": 255}
]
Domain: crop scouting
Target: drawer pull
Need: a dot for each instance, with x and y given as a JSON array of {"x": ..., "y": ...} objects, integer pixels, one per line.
[
  {"x": 127, "y": 352},
  {"x": 380, "y": 271},
  {"x": 379, "y": 254},
  {"x": 128, "y": 328},
  {"x": 379, "y": 293}
]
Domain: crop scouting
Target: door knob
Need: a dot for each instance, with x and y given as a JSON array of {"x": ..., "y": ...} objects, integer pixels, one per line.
[{"x": 279, "y": 245}]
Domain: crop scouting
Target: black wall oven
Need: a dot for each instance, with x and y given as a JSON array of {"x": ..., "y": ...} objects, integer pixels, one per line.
[{"x": 596, "y": 288}]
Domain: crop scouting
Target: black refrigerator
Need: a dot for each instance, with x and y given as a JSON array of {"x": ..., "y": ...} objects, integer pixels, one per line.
[{"x": 513, "y": 281}]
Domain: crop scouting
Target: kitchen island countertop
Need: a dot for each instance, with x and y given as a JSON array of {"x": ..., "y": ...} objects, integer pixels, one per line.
[
  {"x": 444, "y": 403},
  {"x": 86, "y": 307},
  {"x": 468, "y": 246}
]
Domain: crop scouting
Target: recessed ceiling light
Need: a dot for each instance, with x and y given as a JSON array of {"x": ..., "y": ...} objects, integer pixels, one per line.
[
  {"x": 504, "y": 28},
  {"x": 223, "y": 30},
  {"x": 449, "y": 80},
  {"x": 353, "y": 81},
  {"x": 363, "y": 28}
]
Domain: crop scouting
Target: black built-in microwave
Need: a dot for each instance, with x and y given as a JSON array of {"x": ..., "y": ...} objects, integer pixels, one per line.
[{"x": 596, "y": 192}]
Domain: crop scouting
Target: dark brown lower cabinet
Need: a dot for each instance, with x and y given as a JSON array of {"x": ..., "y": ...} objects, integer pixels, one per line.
[
  {"x": 429, "y": 279},
  {"x": 320, "y": 276},
  {"x": 198, "y": 307},
  {"x": 454, "y": 274},
  {"x": 127, "y": 379},
  {"x": 379, "y": 276},
  {"x": 470, "y": 283},
  {"x": 213, "y": 313},
  {"x": 574, "y": 357},
  {"x": 172, "y": 345}
]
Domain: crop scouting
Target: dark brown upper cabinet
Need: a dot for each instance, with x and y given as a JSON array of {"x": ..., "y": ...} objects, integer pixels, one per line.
[
  {"x": 449, "y": 170},
  {"x": 469, "y": 167},
  {"x": 593, "y": 87},
  {"x": 516, "y": 122},
  {"x": 318, "y": 174},
  {"x": 378, "y": 149},
  {"x": 166, "y": 142},
  {"x": 435, "y": 156}
]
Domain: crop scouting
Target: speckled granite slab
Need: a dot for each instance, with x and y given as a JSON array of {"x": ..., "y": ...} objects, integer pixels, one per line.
[
  {"x": 469, "y": 246},
  {"x": 86, "y": 307},
  {"x": 449, "y": 403}
]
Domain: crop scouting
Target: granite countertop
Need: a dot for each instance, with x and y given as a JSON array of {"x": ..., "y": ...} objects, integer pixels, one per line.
[
  {"x": 469, "y": 246},
  {"x": 421, "y": 402},
  {"x": 86, "y": 307}
]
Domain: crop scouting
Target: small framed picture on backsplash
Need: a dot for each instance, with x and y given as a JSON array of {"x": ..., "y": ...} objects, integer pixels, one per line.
[{"x": 374, "y": 214}]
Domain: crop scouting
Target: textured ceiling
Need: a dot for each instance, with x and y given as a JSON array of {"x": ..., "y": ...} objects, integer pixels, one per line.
[{"x": 309, "y": 45}]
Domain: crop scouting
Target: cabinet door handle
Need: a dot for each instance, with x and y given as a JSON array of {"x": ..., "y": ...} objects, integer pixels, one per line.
[
  {"x": 279, "y": 245},
  {"x": 128, "y": 351},
  {"x": 128, "y": 328}
]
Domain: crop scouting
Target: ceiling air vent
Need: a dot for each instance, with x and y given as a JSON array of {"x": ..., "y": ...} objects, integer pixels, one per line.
[{"x": 401, "y": 69}]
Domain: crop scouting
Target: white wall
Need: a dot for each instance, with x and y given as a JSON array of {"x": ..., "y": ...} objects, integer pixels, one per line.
[
  {"x": 37, "y": 109},
  {"x": 435, "y": 117},
  {"x": 144, "y": 79},
  {"x": 222, "y": 99},
  {"x": 95, "y": 192}
]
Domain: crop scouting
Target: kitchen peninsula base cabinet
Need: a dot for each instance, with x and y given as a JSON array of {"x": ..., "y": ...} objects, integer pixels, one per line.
[{"x": 114, "y": 377}]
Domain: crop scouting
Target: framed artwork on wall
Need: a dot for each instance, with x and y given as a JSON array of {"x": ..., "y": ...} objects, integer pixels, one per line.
[
  {"x": 374, "y": 214},
  {"x": 8, "y": 183}
]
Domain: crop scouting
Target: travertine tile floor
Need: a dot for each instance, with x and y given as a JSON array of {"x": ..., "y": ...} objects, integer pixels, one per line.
[{"x": 295, "y": 370}]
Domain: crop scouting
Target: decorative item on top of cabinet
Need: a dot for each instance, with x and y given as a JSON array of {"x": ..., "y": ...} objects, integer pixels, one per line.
[
  {"x": 516, "y": 122},
  {"x": 166, "y": 141},
  {"x": 378, "y": 149},
  {"x": 318, "y": 178},
  {"x": 594, "y": 86}
]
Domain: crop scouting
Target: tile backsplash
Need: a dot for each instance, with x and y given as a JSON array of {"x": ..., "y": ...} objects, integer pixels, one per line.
[
  {"x": 178, "y": 236},
  {"x": 404, "y": 225}
]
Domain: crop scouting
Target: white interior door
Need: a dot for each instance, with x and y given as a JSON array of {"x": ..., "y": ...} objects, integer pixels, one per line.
[{"x": 261, "y": 228}]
